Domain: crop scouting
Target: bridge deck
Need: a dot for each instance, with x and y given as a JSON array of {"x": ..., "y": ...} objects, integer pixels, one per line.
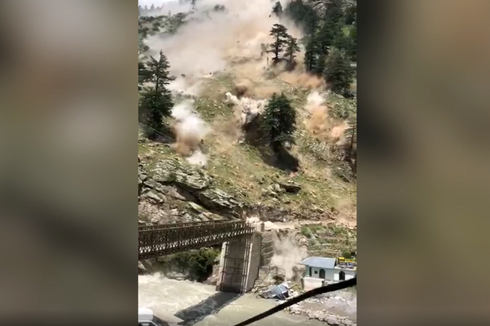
[{"x": 165, "y": 239}]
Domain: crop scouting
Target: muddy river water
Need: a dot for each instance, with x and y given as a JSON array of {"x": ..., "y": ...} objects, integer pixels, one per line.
[{"x": 199, "y": 304}]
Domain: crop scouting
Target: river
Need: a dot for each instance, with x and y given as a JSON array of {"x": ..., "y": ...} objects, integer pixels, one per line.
[{"x": 199, "y": 304}]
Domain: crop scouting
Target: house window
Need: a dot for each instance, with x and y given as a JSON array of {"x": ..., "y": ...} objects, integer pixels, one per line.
[{"x": 316, "y": 272}]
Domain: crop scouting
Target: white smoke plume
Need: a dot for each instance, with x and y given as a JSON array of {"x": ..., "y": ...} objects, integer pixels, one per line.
[
  {"x": 287, "y": 253},
  {"x": 190, "y": 131}
]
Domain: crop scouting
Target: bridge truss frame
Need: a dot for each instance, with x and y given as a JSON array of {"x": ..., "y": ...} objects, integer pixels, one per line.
[{"x": 159, "y": 240}]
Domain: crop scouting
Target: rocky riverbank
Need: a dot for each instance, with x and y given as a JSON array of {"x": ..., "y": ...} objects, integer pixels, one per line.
[
  {"x": 321, "y": 315},
  {"x": 333, "y": 310}
]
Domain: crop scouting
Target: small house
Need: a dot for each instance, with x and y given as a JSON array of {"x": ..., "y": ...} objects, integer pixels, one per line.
[{"x": 326, "y": 269}]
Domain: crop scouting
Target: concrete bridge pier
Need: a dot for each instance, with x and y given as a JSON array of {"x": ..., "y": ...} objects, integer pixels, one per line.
[{"x": 239, "y": 264}]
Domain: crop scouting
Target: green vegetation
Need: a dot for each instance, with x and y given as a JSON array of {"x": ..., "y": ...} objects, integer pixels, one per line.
[
  {"x": 155, "y": 103},
  {"x": 292, "y": 48},
  {"x": 338, "y": 72},
  {"x": 197, "y": 263},
  {"x": 281, "y": 37},
  {"x": 329, "y": 240},
  {"x": 240, "y": 168},
  {"x": 303, "y": 14},
  {"x": 347, "y": 254},
  {"x": 331, "y": 42},
  {"x": 279, "y": 121}
]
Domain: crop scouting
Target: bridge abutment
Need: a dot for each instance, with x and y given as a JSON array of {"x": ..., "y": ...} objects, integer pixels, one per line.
[{"x": 239, "y": 264}]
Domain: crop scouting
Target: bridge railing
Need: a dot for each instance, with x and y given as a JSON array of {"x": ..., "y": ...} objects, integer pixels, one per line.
[
  {"x": 180, "y": 224},
  {"x": 171, "y": 238}
]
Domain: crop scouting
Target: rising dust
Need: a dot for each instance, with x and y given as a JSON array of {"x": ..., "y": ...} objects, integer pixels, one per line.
[{"x": 232, "y": 41}]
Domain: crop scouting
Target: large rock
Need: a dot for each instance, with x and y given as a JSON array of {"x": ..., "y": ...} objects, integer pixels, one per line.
[
  {"x": 154, "y": 196},
  {"x": 290, "y": 186},
  {"x": 215, "y": 199},
  {"x": 182, "y": 174}
]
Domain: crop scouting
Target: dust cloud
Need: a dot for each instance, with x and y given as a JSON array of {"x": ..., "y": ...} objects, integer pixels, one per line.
[
  {"x": 320, "y": 124},
  {"x": 190, "y": 131},
  {"x": 232, "y": 42},
  {"x": 214, "y": 41},
  {"x": 287, "y": 252},
  {"x": 246, "y": 108}
]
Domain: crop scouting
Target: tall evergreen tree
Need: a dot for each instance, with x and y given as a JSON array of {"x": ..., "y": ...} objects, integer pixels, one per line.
[
  {"x": 338, "y": 72},
  {"x": 156, "y": 103},
  {"x": 277, "y": 9},
  {"x": 342, "y": 41},
  {"x": 292, "y": 48},
  {"x": 281, "y": 36},
  {"x": 321, "y": 64},
  {"x": 143, "y": 74},
  {"x": 332, "y": 26},
  {"x": 279, "y": 121},
  {"x": 159, "y": 72},
  {"x": 311, "y": 51},
  {"x": 351, "y": 15},
  {"x": 303, "y": 15}
]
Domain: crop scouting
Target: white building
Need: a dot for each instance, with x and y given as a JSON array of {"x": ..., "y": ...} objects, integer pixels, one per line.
[{"x": 326, "y": 269}]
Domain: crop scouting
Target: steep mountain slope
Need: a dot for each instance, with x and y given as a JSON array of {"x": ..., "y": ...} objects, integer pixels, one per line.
[{"x": 213, "y": 162}]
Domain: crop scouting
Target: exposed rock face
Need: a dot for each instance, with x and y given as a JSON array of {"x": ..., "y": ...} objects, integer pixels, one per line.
[
  {"x": 217, "y": 199},
  {"x": 174, "y": 172},
  {"x": 175, "y": 191}
]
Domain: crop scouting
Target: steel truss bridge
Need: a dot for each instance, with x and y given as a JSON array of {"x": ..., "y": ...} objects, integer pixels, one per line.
[{"x": 160, "y": 240}]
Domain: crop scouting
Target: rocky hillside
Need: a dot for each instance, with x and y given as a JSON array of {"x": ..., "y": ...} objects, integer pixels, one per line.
[{"x": 230, "y": 173}]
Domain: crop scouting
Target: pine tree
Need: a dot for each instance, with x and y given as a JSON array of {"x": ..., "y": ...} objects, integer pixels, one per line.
[
  {"x": 332, "y": 26},
  {"x": 279, "y": 32},
  {"x": 292, "y": 48},
  {"x": 351, "y": 15},
  {"x": 338, "y": 72},
  {"x": 159, "y": 71},
  {"x": 310, "y": 54},
  {"x": 279, "y": 121},
  {"x": 342, "y": 42},
  {"x": 156, "y": 103},
  {"x": 143, "y": 74},
  {"x": 303, "y": 15},
  {"x": 321, "y": 64},
  {"x": 277, "y": 9},
  {"x": 154, "y": 107}
]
